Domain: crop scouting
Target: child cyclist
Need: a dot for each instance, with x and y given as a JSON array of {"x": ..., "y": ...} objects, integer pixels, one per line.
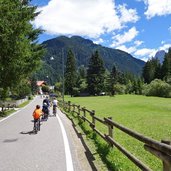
[{"x": 36, "y": 115}]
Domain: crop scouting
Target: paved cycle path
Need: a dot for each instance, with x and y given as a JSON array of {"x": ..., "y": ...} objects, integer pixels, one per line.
[{"x": 49, "y": 150}]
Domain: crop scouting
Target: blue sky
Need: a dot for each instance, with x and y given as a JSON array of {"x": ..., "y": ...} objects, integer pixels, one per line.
[{"x": 139, "y": 27}]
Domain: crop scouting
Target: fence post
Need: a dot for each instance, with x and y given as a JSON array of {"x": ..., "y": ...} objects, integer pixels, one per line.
[
  {"x": 3, "y": 106},
  {"x": 93, "y": 120},
  {"x": 84, "y": 113},
  {"x": 78, "y": 109},
  {"x": 69, "y": 106},
  {"x": 166, "y": 165},
  {"x": 110, "y": 129},
  {"x": 73, "y": 110}
]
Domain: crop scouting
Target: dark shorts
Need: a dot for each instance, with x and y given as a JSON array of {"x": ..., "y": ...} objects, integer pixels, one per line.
[{"x": 36, "y": 120}]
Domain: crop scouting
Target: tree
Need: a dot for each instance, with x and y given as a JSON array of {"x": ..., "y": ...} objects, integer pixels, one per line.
[
  {"x": 20, "y": 53},
  {"x": 70, "y": 73},
  {"x": 95, "y": 74},
  {"x": 113, "y": 80},
  {"x": 22, "y": 89},
  {"x": 151, "y": 70},
  {"x": 166, "y": 67},
  {"x": 33, "y": 84}
]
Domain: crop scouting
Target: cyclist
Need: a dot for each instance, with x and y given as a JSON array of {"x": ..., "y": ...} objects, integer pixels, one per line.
[
  {"x": 36, "y": 115},
  {"x": 45, "y": 110},
  {"x": 54, "y": 103},
  {"x": 47, "y": 101}
]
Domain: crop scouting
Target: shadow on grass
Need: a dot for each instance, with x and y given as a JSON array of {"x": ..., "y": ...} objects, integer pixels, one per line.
[
  {"x": 88, "y": 153},
  {"x": 102, "y": 148},
  {"x": 3, "y": 114}
]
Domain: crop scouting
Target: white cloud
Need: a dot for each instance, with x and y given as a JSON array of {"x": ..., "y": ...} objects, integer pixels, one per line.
[
  {"x": 145, "y": 58},
  {"x": 98, "y": 41},
  {"x": 126, "y": 49},
  {"x": 138, "y": 43},
  {"x": 124, "y": 38},
  {"x": 127, "y": 15},
  {"x": 130, "y": 49},
  {"x": 165, "y": 47},
  {"x": 157, "y": 8},
  {"x": 145, "y": 52},
  {"x": 83, "y": 17}
]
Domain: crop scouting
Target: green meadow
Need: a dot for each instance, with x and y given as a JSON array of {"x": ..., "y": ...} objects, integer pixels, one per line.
[{"x": 150, "y": 116}]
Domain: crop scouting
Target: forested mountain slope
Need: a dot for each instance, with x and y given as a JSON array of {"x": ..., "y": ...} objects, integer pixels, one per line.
[{"x": 83, "y": 48}]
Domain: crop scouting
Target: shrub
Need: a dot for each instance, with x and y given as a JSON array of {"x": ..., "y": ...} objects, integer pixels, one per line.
[
  {"x": 45, "y": 89},
  {"x": 119, "y": 88},
  {"x": 75, "y": 92},
  {"x": 157, "y": 88}
]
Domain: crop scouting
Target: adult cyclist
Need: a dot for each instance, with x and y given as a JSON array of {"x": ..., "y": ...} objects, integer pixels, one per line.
[
  {"x": 54, "y": 103},
  {"x": 47, "y": 102},
  {"x": 45, "y": 110}
]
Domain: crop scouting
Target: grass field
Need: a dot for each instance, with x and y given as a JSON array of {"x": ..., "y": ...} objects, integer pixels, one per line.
[{"x": 150, "y": 116}]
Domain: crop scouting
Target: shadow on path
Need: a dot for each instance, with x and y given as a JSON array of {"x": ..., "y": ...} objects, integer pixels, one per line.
[
  {"x": 10, "y": 140},
  {"x": 28, "y": 132}
]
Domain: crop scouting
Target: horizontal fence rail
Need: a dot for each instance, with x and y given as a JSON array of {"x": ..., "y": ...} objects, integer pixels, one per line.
[{"x": 162, "y": 149}]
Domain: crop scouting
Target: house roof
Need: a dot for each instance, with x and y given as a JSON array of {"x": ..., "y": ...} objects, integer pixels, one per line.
[{"x": 40, "y": 83}]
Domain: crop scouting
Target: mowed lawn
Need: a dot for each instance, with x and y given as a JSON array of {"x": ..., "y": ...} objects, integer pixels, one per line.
[{"x": 150, "y": 116}]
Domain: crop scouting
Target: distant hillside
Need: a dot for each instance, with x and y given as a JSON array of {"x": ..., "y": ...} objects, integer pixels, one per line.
[
  {"x": 83, "y": 49},
  {"x": 160, "y": 55}
]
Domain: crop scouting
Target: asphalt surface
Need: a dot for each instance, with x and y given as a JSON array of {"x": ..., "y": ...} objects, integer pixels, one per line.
[{"x": 21, "y": 149}]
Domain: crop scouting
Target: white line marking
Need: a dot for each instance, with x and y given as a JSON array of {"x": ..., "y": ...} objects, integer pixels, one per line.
[
  {"x": 68, "y": 157},
  {"x": 9, "y": 116}
]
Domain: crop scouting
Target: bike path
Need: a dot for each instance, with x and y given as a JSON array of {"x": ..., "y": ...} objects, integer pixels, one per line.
[{"x": 20, "y": 149}]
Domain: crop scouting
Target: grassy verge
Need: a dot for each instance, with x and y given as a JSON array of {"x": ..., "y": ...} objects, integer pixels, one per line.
[
  {"x": 10, "y": 111},
  {"x": 24, "y": 104},
  {"x": 150, "y": 116}
]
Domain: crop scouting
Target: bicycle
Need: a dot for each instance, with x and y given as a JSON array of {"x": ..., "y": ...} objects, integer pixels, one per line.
[
  {"x": 36, "y": 127},
  {"x": 54, "y": 110},
  {"x": 45, "y": 110}
]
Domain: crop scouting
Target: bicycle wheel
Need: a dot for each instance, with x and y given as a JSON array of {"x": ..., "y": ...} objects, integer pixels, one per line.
[
  {"x": 54, "y": 111},
  {"x": 35, "y": 127},
  {"x": 38, "y": 125}
]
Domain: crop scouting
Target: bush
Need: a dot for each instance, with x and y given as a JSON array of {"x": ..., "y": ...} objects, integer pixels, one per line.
[
  {"x": 119, "y": 88},
  {"x": 157, "y": 88},
  {"x": 75, "y": 92},
  {"x": 45, "y": 89}
]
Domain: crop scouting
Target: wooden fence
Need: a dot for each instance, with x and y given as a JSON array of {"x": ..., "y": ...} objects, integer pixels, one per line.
[
  {"x": 161, "y": 150},
  {"x": 6, "y": 105}
]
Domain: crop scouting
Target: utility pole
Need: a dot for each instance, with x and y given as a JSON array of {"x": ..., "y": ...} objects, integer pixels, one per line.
[{"x": 63, "y": 76}]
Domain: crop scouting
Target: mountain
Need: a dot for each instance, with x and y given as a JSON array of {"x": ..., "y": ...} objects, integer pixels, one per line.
[
  {"x": 160, "y": 55},
  {"x": 83, "y": 48}
]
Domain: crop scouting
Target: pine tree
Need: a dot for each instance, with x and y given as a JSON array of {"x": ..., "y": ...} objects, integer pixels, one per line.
[
  {"x": 20, "y": 54},
  {"x": 151, "y": 70},
  {"x": 166, "y": 67},
  {"x": 70, "y": 73},
  {"x": 113, "y": 80},
  {"x": 95, "y": 74}
]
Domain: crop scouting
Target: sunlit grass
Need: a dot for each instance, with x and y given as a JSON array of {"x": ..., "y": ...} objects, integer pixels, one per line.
[{"x": 150, "y": 116}]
